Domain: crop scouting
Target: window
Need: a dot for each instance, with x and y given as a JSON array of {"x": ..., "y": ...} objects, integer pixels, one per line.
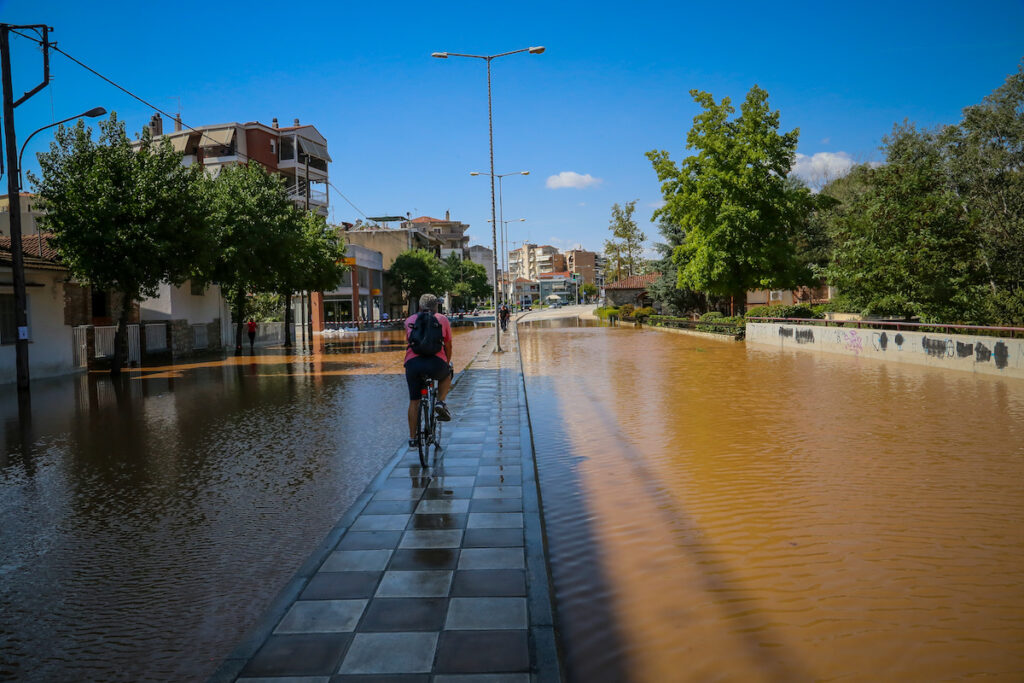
[
  {"x": 100, "y": 309},
  {"x": 8, "y": 326}
]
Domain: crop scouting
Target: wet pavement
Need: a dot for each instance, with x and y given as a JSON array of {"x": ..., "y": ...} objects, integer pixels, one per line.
[
  {"x": 434, "y": 574},
  {"x": 146, "y": 524}
]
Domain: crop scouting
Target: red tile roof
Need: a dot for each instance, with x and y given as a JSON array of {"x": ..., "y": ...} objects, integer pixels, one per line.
[
  {"x": 30, "y": 246},
  {"x": 634, "y": 281},
  {"x": 427, "y": 219}
]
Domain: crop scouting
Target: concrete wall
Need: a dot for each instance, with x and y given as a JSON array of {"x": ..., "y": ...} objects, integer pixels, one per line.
[
  {"x": 49, "y": 349},
  {"x": 988, "y": 355}
]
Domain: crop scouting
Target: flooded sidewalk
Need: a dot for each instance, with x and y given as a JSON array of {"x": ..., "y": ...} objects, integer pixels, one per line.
[{"x": 435, "y": 574}]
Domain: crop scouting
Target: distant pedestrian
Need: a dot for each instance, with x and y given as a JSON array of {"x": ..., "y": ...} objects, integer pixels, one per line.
[{"x": 252, "y": 333}]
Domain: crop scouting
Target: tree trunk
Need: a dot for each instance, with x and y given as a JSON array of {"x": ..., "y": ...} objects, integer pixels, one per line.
[
  {"x": 121, "y": 337},
  {"x": 239, "y": 320},
  {"x": 287, "y": 296}
]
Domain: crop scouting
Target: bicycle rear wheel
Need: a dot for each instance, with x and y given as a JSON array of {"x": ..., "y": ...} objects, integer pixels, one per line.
[{"x": 424, "y": 432}]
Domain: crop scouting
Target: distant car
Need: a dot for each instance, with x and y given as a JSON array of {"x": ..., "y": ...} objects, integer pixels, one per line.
[{"x": 557, "y": 304}]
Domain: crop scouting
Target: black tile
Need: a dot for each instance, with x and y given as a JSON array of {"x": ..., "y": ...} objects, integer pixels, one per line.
[
  {"x": 396, "y": 481},
  {"x": 453, "y": 521},
  {"x": 448, "y": 493},
  {"x": 390, "y": 507},
  {"x": 341, "y": 585},
  {"x": 299, "y": 655},
  {"x": 496, "y": 583},
  {"x": 496, "y": 505},
  {"x": 482, "y": 652},
  {"x": 424, "y": 558},
  {"x": 499, "y": 480},
  {"x": 492, "y": 538},
  {"x": 381, "y": 678},
  {"x": 370, "y": 540},
  {"x": 404, "y": 614}
]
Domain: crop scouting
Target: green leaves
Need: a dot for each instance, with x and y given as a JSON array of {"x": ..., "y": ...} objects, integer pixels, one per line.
[
  {"x": 417, "y": 272},
  {"x": 737, "y": 214},
  {"x": 625, "y": 248}
]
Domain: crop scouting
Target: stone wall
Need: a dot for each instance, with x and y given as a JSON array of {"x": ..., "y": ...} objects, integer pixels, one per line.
[
  {"x": 989, "y": 355},
  {"x": 181, "y": 338}
]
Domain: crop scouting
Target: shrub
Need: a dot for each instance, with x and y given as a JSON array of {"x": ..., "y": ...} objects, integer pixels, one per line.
[
  {"x": 626, "y": 310},
  {"x": 642, "y": 314},
  {"x": 606, "y": 311},
  {"x": 711, "y": 315},
  {"x": 720, "y": 324},
  {"x": 783, "y": 311}
]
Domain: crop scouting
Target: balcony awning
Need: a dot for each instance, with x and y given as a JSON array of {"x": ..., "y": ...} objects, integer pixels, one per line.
[
  {"x": 314, "y": 149},
  {"x": 217, "y": 138},
  {"x": 179, "y": 142}
]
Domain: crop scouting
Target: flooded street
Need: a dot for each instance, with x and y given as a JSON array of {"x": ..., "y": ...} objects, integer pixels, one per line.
[
  {"x": 722, "y": 512},
  {"x": 145, "y": 525}
]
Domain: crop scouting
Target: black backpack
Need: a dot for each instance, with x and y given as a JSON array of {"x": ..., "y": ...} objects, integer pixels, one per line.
[{"x": 426, "y": 337}]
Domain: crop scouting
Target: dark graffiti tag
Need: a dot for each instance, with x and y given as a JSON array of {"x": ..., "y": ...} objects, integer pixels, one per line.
[
  {"x": 785, "y": 332},
  {"x": 805, "y": 336},
  {"x": 899, "y": 341},
  {"x": 982, "y": 354},
  {"x": 880, "y": 341},
  {"x": 964, "y": 350},
  {"x": 1002, "y": 354},
  {"x": 934, "y": 347}
]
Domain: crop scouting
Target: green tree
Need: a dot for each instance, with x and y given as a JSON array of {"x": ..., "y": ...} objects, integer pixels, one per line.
[
  {"x": 589, "y": 290},
  {"x": 627, "y": 242},
  {"x": 733, "y": 201},
  {"x": 902, "y": 244},
  {"x": 416, "y": 272},
  {"x": 124, "y": 219},
  {"x": 256, "y": 228},
  {"x": 467, "y": 280}
]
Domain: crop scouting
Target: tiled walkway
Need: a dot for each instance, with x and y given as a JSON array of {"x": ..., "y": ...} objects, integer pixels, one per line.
[{"x": 435, "y": 575}]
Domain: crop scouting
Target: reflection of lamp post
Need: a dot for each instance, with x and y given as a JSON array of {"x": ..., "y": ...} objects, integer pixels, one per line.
[
  {"x": 501, "y": 216},
  {"x": 490, "y": 130},
  {"x": 14, "y": 204},
  {"x": 504, "y": 247}
]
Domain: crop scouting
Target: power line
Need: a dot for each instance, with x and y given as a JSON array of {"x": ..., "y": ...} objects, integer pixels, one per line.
[{"x": 176, "y": 118}]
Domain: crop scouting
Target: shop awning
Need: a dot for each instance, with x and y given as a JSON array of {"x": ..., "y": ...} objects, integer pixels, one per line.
[
  {"x": 314, "y": 149},
  {"x": 216, "y": 138}
]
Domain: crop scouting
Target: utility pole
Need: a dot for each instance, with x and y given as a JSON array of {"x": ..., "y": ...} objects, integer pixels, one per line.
[{"x": 14, "y": 190}]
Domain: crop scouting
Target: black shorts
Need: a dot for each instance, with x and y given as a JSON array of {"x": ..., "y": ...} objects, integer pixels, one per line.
[{"x": 424, "y": 366}]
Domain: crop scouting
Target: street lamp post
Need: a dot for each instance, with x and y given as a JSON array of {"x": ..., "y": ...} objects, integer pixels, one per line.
[
  {"x": 502, "y": 221},
  {"x": 504, "y": 246},
  {"x": 490, "y": 131}
]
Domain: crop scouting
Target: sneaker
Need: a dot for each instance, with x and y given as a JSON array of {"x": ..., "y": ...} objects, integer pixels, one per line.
[
  {"x": 442, "y": 412},
  {"x": 414, "y": 442}
]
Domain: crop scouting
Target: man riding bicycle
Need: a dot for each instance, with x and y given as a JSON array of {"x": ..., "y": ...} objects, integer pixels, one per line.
[{"x": 429, "y": 355}]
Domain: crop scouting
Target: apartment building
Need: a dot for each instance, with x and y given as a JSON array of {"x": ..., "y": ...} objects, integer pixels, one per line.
[
  {"x": 298, "y": 153},
  {"x": 485, "y": 257},
  {"x": 530, "y": 260},
  {"x": 452, "y": 234},
  {"x": 589, "y": 265}
]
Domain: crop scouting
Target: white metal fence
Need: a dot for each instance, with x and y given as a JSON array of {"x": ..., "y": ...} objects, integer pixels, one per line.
[
  {"x": 80, "y": 348},
  {"x": 105, "y": 336},
  {"x": 156, "y": 337}
]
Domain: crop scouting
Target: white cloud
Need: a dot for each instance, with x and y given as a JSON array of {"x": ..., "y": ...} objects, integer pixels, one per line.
[
  {"x": 656, "y": 205},
  {"x": 821, "y": 168},
  {"x": 571, "y": 179},
  {"x": 825, "y": 141}
]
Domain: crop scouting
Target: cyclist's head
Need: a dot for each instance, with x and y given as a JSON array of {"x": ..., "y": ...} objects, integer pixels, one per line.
[{"x": 428, "y": 302}]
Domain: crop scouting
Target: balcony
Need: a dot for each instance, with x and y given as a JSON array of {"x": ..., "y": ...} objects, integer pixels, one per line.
[{"x": 298, "y": 195}]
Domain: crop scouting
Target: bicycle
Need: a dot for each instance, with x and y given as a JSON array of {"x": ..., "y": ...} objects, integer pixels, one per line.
[{"x": 429, "y": 427}]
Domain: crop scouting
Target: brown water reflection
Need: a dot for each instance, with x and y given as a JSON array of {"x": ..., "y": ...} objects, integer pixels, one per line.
[
  {"x": 146, "y": 524},
  {"x": 721, "y": 512}
]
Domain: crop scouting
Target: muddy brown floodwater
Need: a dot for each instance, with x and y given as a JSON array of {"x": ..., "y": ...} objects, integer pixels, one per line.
[
  {"x": 723, "y": 512},
  {"x": 145, "y": 525}
]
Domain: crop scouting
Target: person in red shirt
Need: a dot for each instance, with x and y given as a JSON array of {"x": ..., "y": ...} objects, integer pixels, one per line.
[
  {"x": 251, "y": 325},
  {"x": 438, "y": 366}
]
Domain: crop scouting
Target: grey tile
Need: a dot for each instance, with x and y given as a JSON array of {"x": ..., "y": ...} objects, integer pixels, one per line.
[
  {"x": 461, "y": 462},
  {"x": 369, "y": 540},
  {"x": 483, "y": 678},
  {"x": 495, "y": 520},
  {"x": 398, "y": 494},
  {"x": 451, "y": 482},
  {"x": 443, "y": 506},
  {"x": 286, "y": 679},
  {"x": 439, "y": 521},
  {"x": 443, "y": 538},
  {"x": 313, "y": 654},
  {"x": 356, "y": 560},
  {"x": 389, "y": 507},
  {"x": 384, "y": 653},
  {"x": 486, "y": 614},
  {"x": 499, "y": 480},
  {"x": 341, "y": 585},
  {"x": 496, "y": 505},
  {"x": 415, "y": 584},
  {"x": 498, "y": 492},
  {"x": 380, "y": 523},
  {"x": 321, "y": 616},
  {"x": 512, "y": 470},
  {"x": 491, "y": 558},
  {"x": 404, "y": 614},
  {"x": 448, "y": 494}
]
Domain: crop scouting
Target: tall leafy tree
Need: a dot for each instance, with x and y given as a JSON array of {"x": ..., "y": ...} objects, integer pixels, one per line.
[
  {"x": 416, "y": 272},
  {"x": 256, "y": 228},
  {"x": 625, "y": 248},
  {"x": 125, "y": 218},
  {"x": 902, "y": 245},
  {"x": 467, "y": 280},
  {"x": 732, "y": 199}
]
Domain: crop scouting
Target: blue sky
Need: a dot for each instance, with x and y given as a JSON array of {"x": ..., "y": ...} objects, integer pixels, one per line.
[{"x": 405, "y": 130}]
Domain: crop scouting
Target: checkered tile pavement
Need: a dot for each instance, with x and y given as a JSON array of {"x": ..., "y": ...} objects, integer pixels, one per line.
[{"x": 435, "y": 575}]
